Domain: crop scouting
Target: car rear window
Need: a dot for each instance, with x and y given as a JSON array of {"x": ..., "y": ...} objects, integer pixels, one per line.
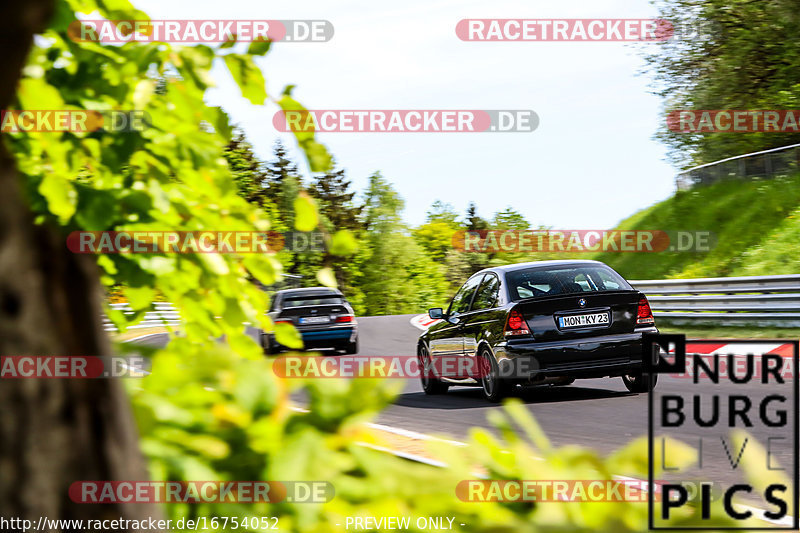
[
  {"x": 544, "y": 281},
  {"x": 303, "y": 301}
]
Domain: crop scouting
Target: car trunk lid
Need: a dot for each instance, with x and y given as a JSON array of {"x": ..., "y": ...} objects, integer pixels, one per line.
[
  {"x": 312, "y": 314},
  {"x": 580, "y": 314}
]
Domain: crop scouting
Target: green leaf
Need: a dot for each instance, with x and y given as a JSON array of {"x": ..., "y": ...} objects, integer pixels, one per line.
[
  {"x": 319, "y": 159},
  {"x": 287, "y": 103},
  {"x": 343, "y": 243},
  {"x": 35, "y": 93},
  {"x": 757, "y": 464},
  {"x": 305, "y": 212},
  {"x": 60, "y": 195},
  {"x": 139, "y": 297},
  {"x": 259, "y": 47},
  {"x": 222, "y": 123},
  {"x": 326, "y": 277},
  {"x": 248, "y": 77},
  {"x": 142, "y": 93},
  {"x": 287, "y": 335},
  {"x": 228, "y": 43},
  {"x": 215, "y": 262},
  {"x": 528, "y": 423},
  {"x": 632, "y": 458},
  {"x": 262, "y": 268}
]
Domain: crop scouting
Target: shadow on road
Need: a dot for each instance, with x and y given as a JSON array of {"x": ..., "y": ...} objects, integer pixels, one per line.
[{"x": 472, "y": 398}]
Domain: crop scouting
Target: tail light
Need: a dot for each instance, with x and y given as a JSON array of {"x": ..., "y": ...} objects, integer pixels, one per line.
[
  {"x": 345, "y": 318},
  {"x": 515, "y": 324},
  {"x": 283, "y": 321},
  {"x": 644, "y": 315}
]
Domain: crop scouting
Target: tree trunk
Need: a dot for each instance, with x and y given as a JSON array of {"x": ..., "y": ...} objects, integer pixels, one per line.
[{"x": 53, "y": 432}]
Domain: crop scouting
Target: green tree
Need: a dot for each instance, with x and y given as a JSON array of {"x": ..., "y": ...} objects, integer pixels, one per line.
[
  {"x": 336, "y": 200},
  {"x": 338, "y": 211},
  {"x": 436, "y": 235},
  {"x": 474, "y": 261},
  {"x": 247, "y": 169},
  {"x": 729, "y": 54},
  {"x": 436, "y": 238},
  {"x": 473, "y": 221},
  {"x": 250, "y": 176},
  {"x": 283, "y": 183},
  {"x": 396, "y": 275},
  {"x": 442, "y": 212},
  {"x": 509, "y": 219}
]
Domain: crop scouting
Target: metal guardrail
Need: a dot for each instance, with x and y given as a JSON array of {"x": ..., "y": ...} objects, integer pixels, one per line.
[
  {"x": 772, "y": 301},
  {"x": 782, "y": 161},
  {"x": 163, "y": 314}
]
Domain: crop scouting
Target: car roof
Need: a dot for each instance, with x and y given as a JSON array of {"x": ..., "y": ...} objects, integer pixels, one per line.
[
  {"x": 532, "y": 264},
  {"x": 309, "y": 292}
]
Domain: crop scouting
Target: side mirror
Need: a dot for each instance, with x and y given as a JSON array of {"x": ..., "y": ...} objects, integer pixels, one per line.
[{"x": 436, "y": 313}]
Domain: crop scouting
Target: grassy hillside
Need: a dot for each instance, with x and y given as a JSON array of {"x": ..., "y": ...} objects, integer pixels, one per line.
[
  {"x": 756, "y": 225},
  {"x": 779, "y": 253}
]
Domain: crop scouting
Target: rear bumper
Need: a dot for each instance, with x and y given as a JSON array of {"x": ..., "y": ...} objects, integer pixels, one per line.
[
  {"x": 330, "y": 337},
  {"x": 594, "y": 357}
]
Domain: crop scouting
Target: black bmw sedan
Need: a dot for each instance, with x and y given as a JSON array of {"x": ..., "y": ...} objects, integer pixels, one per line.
[
  {"x": 322, "y": 316},
  {"x": 545, "y": 322}
]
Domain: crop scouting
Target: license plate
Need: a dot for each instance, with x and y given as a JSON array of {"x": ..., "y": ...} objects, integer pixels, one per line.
[
  {"x": 578, "y": 321},
  {"x": 315, "y": 320}
]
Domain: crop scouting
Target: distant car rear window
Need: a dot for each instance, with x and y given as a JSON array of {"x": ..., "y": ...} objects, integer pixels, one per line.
[
  {"x": 543, "y": 281},
  {"x": 303, "y": 301}
]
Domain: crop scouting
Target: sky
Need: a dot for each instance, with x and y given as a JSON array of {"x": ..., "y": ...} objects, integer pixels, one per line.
[{"x": 591, "y": 162}]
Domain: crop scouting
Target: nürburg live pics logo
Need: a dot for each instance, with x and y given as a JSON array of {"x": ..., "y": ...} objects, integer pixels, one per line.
[{"x": 739, "y": 412}]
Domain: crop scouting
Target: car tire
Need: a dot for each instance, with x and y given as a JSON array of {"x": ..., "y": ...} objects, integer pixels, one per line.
[
  {"x": 270, "y": 348},
  {"x": 494, "y": 388},
  {"x": 640, "y": 382},
  {"x": 431, "y": 385},
  {"x": 264, "y": 342},
  {"x": 352, "y": 347}
]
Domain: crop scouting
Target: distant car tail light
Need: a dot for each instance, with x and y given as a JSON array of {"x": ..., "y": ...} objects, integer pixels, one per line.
[
  {"x": 345, "y": 318},
  {"x": 644, "y": 315},
  {"x": 283, "y": 321},
  {"x": 515, "y": 324}
]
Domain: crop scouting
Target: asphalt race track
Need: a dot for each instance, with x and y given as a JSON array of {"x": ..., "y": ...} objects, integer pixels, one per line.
[{"x": 599, "y": 413}]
